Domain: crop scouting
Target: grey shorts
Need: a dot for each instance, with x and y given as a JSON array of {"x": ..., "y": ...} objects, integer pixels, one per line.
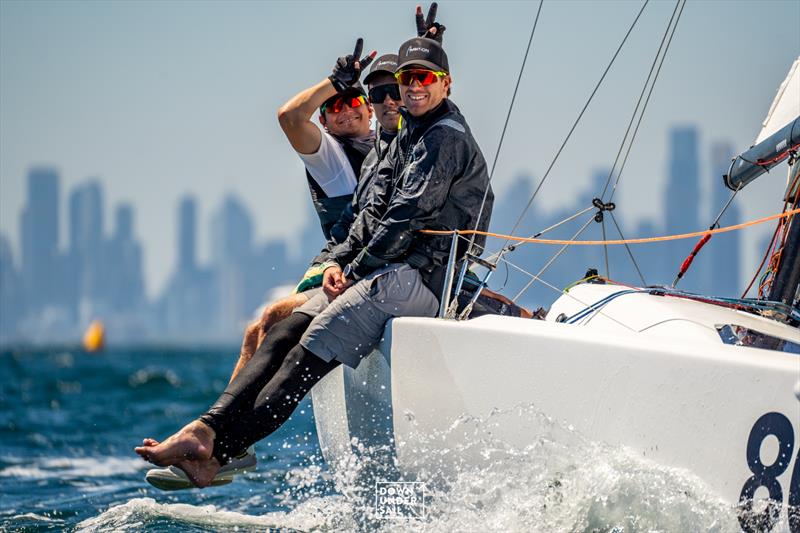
[
  {"x": 348, "y": 328},
  {"x": 317, "y": 301}
]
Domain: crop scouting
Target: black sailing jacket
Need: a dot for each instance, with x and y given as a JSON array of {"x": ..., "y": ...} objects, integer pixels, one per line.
[
  {"x": 330, "y": 208},
  {"x": 436, "y": 178},
  {"x": 366, "y": 189}
]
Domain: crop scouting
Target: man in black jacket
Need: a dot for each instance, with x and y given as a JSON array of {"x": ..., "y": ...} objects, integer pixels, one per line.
[
  {"x": 438, "y": 179},
  {"x": 384, "y": 96}
]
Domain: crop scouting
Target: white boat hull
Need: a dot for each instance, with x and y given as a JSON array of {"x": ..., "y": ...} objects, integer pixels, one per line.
[{"x": 648, "y": 375}]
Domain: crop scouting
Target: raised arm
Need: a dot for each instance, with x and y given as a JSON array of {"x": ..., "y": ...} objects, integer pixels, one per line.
[{"x": 295, "y": 115}]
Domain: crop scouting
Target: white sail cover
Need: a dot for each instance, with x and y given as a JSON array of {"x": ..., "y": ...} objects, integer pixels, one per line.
[{"x": 786, "y": 105}]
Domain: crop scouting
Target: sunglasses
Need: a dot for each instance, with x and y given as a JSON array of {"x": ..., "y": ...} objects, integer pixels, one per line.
[
  {"x": 337, "y": 105},
  {"x": 423, "y": 77},
  {"x": 378, "y": 94}
]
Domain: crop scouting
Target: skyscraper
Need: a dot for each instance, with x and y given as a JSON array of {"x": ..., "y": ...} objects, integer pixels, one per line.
[
  {"x": 231, "y": 232},
  {"x": 682, "y": 201},
  {"x": 124, "y": 264},
  {"x": 231, "y": 252},
  {"x": 39, "y": 236},
  {"x": 187, "y": 234},
  {"x": 683, "y": 186},
  {"x": 86, "y": 218},
  {"x": 87, "y": 248}
]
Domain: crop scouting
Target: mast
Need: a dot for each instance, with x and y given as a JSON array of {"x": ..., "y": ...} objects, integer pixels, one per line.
[
  {"x": 786, "y": 284},
  {"x": 778, "y": 141}
]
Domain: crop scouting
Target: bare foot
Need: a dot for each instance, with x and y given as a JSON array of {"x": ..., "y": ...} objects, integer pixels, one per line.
[
  {"x": 194, "y": 442},
  {"x": 200, "y": 472}
]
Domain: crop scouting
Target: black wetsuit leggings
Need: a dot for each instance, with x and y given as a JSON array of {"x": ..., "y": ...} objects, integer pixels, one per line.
[{"x": 267, "y": 390}]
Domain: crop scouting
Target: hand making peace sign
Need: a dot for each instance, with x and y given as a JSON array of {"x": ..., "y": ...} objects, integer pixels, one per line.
[
  {"x": 348, "y": 68},
  {"x": 427, "y": 27}
]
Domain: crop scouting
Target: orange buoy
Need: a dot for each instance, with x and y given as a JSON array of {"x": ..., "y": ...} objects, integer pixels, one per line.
[{"x": 94, "y": 338}]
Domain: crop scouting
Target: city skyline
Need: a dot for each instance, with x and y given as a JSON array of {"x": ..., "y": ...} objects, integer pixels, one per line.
[
  {"x": 53, "y": 292},
  {"x": 157, "y": 100}
]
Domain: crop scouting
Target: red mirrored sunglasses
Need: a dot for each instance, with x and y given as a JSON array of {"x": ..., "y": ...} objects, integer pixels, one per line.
[
  {"x": 422, "y": 76},
  {"x": 337, "y": 105}
]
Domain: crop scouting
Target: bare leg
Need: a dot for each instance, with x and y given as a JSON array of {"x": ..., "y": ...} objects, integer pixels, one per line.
[{"x": 256, "y": 331}]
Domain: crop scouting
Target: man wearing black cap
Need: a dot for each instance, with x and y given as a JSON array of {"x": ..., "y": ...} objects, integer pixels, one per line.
[
  {"x": 439, "y": 179},
  {"x": 384, "y": 95}
]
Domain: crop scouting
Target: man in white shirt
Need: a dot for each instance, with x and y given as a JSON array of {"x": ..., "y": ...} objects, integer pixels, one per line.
[{"x": 332, "y": 156}]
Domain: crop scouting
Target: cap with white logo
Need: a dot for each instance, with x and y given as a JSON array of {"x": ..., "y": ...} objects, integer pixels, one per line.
[
  {"x": 386, "y": 63},
  {"x": 423, "y": 52}
]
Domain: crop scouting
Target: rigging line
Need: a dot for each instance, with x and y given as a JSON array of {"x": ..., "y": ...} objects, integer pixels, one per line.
[
  {"x": 505, "y": 125},
  {"x": 639, "y": 101},
  {"x": 546, "y": 284},
  {"x": 680, "y": 236},
  {"x": 605, "y": 246},
  {"x": 630, "y": 253},
  {"x": 725, "y": 207},
  {"x": 646, "y": 103},
  {"x": 552, "y": 259},
  {"x": 539, "y": 234},
  {"x": 577, "y": 120},
  {"x": 769, "y": 248}
]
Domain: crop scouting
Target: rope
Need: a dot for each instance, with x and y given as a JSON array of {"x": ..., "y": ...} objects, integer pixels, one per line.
[
  {"x": 605, "y": 246},
  {"x": 500, "y": 252},
  {"x": 630, "y": 253},
  {"x": 639, "y": 101},
  {"x": 577, "y": 120},
  {"x": 619, "y": 241},
  {"x": 505, "y": 125},
  {"x": 644, "y": 108},
  {"x": 552, "y": 259},
  {"x": 556, "y": 289},
  {"x": 687, "y": 263}
]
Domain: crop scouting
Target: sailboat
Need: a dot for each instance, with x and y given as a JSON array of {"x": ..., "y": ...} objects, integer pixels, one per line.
[{"x": 707, "y": 385}]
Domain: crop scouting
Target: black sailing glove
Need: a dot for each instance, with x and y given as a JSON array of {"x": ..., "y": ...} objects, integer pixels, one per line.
[
  {"x": 348, "y": 68},
  {"x": 427, "y": 27}
]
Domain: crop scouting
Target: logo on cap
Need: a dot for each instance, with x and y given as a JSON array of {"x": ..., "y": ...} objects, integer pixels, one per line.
[{"x": 417, "y": 49}]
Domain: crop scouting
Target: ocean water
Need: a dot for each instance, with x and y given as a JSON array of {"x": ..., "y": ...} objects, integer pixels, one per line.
[{"x": 69, "y": 422}]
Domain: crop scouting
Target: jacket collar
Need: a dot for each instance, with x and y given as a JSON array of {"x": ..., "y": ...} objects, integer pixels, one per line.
[{"x": 413, "y": 123}]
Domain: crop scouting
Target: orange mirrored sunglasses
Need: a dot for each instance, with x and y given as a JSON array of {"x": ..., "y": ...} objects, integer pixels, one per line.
[
  {"x": 422, "y": 76},
  {"x": 337, "y": 105}
]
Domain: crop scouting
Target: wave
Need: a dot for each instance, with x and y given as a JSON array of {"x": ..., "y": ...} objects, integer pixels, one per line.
[
  {"x": 33, "y": 519},
  {"x": 154, "y": 376},
  {"x": 73, "y": 467},
  {"x": 560, "y": 482},
  {"x": 141, "y": 513}
]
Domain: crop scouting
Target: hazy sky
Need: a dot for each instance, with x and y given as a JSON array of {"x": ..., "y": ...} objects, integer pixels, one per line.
[{"x": 160, "y": 99}]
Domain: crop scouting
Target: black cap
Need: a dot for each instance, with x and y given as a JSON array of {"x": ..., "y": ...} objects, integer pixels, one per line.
[
  {"x": 424, "y": 52},
  {"x": 386, "y": 63},
  {"x": 356, "y": 88}
]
